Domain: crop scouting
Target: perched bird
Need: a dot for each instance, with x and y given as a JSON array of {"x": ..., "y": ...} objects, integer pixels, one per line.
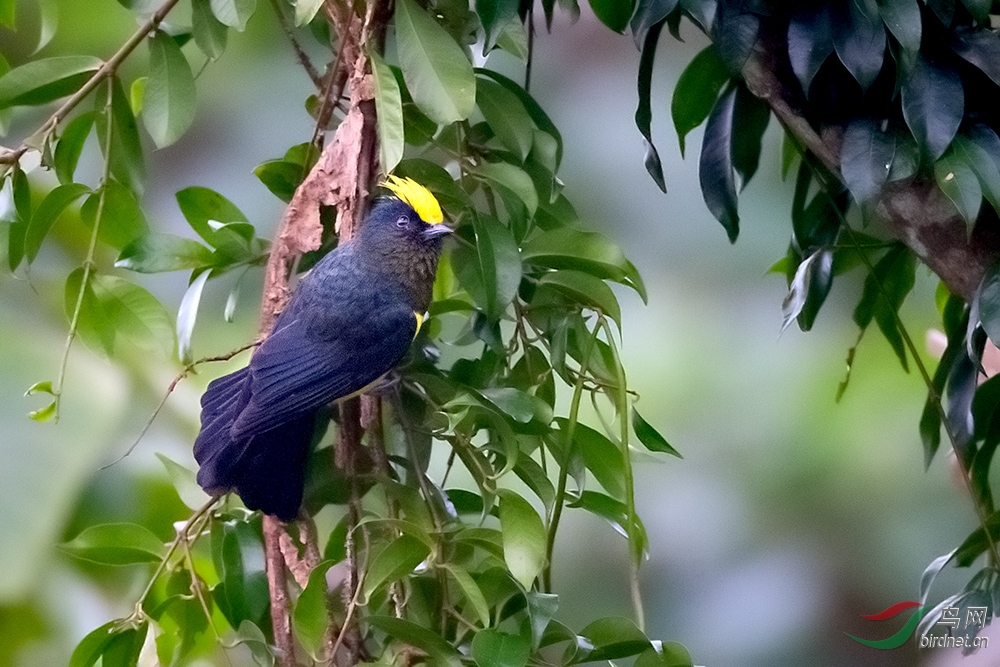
[{"x": 349, "y": 322}]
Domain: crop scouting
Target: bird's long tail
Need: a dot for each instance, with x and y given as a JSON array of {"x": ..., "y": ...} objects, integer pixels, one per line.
[{"x": 266, "y": 469}]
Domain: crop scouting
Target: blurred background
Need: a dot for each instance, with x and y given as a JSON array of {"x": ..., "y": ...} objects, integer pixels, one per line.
[{"x": 790, "y": 514}]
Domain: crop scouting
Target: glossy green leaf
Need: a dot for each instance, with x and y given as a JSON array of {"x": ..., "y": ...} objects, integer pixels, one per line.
[
  {"x": 305, "y": 11},
  {"x": 613, "y": 13},
  {"x": 184, "y": 482},
  {"x": 960, "y": 184},
  {"x": 399, "y": 558},
  {"x": 187, "y": 314},
  {"x": 470, "y": 589},
  {"x": 210, "y": 34},
  {"x": 884, "y": 291},
  {"x": 70, "y": 145},
  {"x": 416, "y": 635},
  {"x": 234, "y": 13},
  {"x": 253, "y": 638},
  {"x": 523, "y": 538},
  {"x": 859, "y": 39},
  {"x": 116, "y": 544},
  {"x": 135, "y": 314},
  {"x": 542, "y": 607},
  {"x": 122, "y": 220},
  {"x": 987, "y": 298},
  {"x": 437, "y": 72},
  {"x": 126, "y": 158},
  {"x": 980, "y": 48},
  {"x": 506, "y": 116},
  {"x": 810, "y": 41},
  {"x": 585, "y": 289},
  {"x": 200, "y": 205},
  {"x": 865, "y": 157},
  {"x": 972, "y": 152},
  {"x": 494, "y": 15},
  {"x": 281, "y": 177},
  {"x": 123, "y": 649},
  {"x": 612, "y": 637},
  {"x": 169, "y": 103},
  {"x": 55, "y": 202},
  {"x": 665, "y": 654},
  {"x": 808, "y": 289},
  {"x": 511, "y": 178},
  {"x": 536, "y": 479},
  {"x": 7, "y": 13},
  {"x": 311, "y": 616},
  {"x": 902, "y": 18},
  {"x": 513, "y": 39},
  {"x": 40, "y": 81},
  {"x": 534, "y": 109},
  {"x": 602, "y": 457},
  {"x": 389, "y": 116},
  {"x": 933, "y": 105},
  {"x": 650, "y": 437},
  {"x": 499, "y": 264},
  {"x": 697, "y": 91},
  {"x": 238, "y": 556},
  {"x": 715, "y": 168},
  {"x": 157, "y": 252},
  {"x": 604, "y": 506},
  {"x": 92, "y": 646},
  {"x": 93, "y": 325},
  {"x": 737, "y": 28},
  {"x": 644, "y": 112},
  {"x": 648, "y": 13},
  {"x": 750, "y": 117},
  {"x": 493, "y": 648}
]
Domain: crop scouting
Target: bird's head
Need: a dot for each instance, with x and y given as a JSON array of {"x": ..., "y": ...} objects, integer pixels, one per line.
[{"x": 410, "y": 217}]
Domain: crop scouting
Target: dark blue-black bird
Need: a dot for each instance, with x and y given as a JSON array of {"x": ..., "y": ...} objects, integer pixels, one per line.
[{"x": 349, "y": 322}]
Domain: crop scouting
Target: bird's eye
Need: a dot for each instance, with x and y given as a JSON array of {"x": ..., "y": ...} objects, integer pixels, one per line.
[{"x": 402, "y": 221}]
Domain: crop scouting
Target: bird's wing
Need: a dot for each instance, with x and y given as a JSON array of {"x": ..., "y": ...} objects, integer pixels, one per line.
[{"x": 292, "y": 373}]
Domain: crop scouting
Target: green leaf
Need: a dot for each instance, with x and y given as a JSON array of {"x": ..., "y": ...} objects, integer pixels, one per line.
[
  {"x": 399, "y": 558},
  {"x": 122, "y": 220},
  {"x": 157, "y": 252},
  {"x": 612, "y": 637},
  {"x": 644, "y": 111},
  {"x": 665, "y": 654},
  {"x": 210, "y": 34},
  {"x": 974, "y": 153},
  {"x": 493, "y": 648},
  {"x": 902, "y": 17},
  {"x": 613, "y": 13},
  {"x": 251, "y": 635},
  {"x": 750, "y": 117},
  {"x": 437, "y": 72},
  {"x": 865, "y": 157},
  {"x": 737, "y": 28},
  {"x": 126, "y": 149},
  {"x": 494, "y": 15},
  {"x": 470, "y": 589},
  {"x": 184, "y": 482},
  {"x": 810, "y": 41},
  {"x": 499, "y": 264},
  {"x": 980, "y": 48},
  {"x": 57, "y": 201},
  {"x": 859, "y": 39},
  {"x": 523, "y": 538},
  {"x": 237, "y": 552},
  {"x": 542, "y": 607},
  {"x": 41, "y": 81},
  {"x": 602, "y": 457},
  {"x": 389, "y": 114},
  {"x": 311, "y": 616},
  {"x": 585, "y": 289},
  {"x": 124, "y": 647},
  {"x": 92, "y": 646},
  {"x": 134, "y": 313},
  {"x": 7, "y": 10},
  {"x": 648, "y": 13},
  {"x": 187, "y": 314},
  {"x": 70, "y": 145},
  {"x": 884, "y": 291},
  {"x": 696, "y": 92},
  {"x": 305, "y": 11},
  {"x": 650, "y": 437},
  {"x": 116, "y": 544},
  {"x": 416, "y": 635},
  {"x": 534, "y": 109},
  {"x": 234, "y": 13},
  {"x": 200, "y": 205},
  {"x": 933, "y": 105},
  {"x": 959, "y": 183},
  {"x": 169, "y": 104},
  {"x": 93, "y": 326},
  {"x": 281, "y": 177},
  {"x": 715, "y": 168},
  {"x": 512, "y": 179},
  {"x": 987, "y": 298},
  {"x": 506, "y": 116}
]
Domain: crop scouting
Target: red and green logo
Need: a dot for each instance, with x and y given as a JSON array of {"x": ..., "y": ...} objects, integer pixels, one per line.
[{"x": 898, "y": 639}]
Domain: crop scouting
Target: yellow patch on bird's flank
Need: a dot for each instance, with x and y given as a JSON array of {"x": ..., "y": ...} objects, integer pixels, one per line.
[
  {"x": 420, "y": 322},
  {"x": 417, "y": 196}
]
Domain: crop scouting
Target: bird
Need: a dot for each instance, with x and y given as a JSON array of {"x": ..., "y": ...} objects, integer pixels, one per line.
[{"x": 348, "y": 323}]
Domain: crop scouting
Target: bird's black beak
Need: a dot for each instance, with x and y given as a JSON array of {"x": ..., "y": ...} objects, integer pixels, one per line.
[{"x": 434, "y": 231}]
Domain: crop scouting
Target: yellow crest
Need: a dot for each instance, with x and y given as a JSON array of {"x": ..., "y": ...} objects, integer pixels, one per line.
[{"x": 417, "y": 196}]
